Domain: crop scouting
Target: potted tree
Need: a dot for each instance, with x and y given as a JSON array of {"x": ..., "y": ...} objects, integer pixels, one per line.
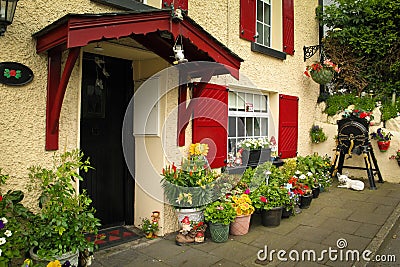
[
  {"x": 219, "y": 215},
  {"x": 65, "y": 217}
]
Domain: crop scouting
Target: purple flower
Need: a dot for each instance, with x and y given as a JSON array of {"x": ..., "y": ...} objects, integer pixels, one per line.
[{"x": 1, "y": 224}]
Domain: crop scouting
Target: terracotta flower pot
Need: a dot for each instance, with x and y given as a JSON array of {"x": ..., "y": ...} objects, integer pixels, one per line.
[
  {"x": 383, "y": 145},
  {"x": 241, "y": 225}
]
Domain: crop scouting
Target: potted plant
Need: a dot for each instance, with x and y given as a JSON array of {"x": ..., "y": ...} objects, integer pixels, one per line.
[
  {"x": 188, "y": 188},
  {"x": 219, "y": 215},
  {"x": 244, "y": 208},
  {"x": 65, "y": 217},
  {"x": 322, "y": 73},
  {"x": 396, "y": 157},
  {"x": 317, "y": 135},
  {"x": 15, "y": 225},
  {"x": 301, "y": 190},
  {"x": 254, "y": 151},
  {"x": 383, "y": 139},
  {"x": 270, "y": 199}
]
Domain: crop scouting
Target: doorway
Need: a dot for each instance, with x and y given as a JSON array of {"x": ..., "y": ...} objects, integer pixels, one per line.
[{"x": 107, "y": 87}]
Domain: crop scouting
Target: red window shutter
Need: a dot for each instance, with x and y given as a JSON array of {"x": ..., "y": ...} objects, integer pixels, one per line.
[
  {"x": 288, "y": 126},
  {"x": 248, "y": 19},
  {"x": 210, "y": 121},
  {"x": 182, "y": 4},
  {"x": 288, "y": 26}
]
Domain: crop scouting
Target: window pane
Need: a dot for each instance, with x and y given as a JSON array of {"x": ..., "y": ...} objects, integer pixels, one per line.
[
  {"x": 257, "y": 100},
  {"x": 259, "y": 10},
  {"x": 267, "y": 30},
  {"x": 267, "y": 14},
  {"x": 249, "y": 126},
  {"x": 260, "y": 33},
  {"x": 240, "y": 103},
  {"x": 232, "y": 102},
  {"x": 264, "y": 104},
  {"x": 240, "y": 126},
  {"x": 256, "y": 126},
  {"x": 232, "y": 145},
  {"x": 264, "y": 126},
  {"x": 232, "y": 127}
]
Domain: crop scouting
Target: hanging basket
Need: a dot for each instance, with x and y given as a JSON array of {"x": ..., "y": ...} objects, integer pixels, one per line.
[{"x": 322, "y": 76}]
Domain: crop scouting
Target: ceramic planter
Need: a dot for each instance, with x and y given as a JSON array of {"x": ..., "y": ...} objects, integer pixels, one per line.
[
  {"x": 240, "y": 226},
  {"x": 383, "y": 145},
  {"x": 69, "y": 256},
  {"x": 194, "y": 214},
  {"x": 219, "y": 232}
]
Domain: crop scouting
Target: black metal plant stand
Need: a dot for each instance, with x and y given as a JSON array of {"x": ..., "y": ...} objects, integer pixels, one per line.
[{"x": 353, "y": 137}]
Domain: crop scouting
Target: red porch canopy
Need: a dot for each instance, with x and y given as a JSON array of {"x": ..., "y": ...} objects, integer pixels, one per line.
[{"x": 154, "y": 29}]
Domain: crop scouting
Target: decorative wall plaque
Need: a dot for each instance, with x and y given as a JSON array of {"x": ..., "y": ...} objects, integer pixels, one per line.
[{"x": 13, "y": 73}]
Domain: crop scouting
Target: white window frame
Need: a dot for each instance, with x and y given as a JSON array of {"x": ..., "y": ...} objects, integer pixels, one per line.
[
  {"x": 248, "y": 114},
  {"x": 263, "y": 42}
]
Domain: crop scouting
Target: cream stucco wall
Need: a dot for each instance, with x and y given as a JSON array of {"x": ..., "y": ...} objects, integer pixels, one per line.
[
  {"x": 284, "y": 76},
  {"x": 22, "y": 109}
]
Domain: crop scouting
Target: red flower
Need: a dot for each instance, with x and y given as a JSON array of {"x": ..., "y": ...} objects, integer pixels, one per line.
[
  {"x": 307, "y": 74},
  {"x": 13, "y": 73},
  {"x": 363, "y": 115},
  {"x": 263, "y": 199},
  {"x": 1, "y": 198},
  {"x": 173, "y": 167}
]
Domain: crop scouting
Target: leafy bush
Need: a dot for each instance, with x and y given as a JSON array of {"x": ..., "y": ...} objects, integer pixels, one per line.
[
  {"x": 65, "y": 217},
  {"x": 220, "y": 212}
]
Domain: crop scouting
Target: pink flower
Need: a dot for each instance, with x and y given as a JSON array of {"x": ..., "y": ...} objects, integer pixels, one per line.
[
  {"x": 220, "y": 208},
  {"x": 247, "y": 192}
]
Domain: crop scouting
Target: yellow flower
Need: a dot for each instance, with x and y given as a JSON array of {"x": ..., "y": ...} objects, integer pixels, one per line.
[{"x": 55, "y": 263}]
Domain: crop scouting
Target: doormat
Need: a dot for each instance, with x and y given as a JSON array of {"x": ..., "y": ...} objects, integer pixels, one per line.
[{"x": 110, "y": 237}]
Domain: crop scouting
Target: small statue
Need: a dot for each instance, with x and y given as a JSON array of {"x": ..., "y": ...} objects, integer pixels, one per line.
[{"x": 190, "y": 232}]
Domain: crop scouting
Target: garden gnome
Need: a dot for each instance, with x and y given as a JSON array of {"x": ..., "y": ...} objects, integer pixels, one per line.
[{"x": 186, "y": 234}]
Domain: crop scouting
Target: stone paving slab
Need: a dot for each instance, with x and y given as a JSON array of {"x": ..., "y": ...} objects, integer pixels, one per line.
[{"x": 363, "y": 219}]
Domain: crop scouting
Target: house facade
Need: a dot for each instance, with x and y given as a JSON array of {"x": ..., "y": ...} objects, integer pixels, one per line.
[{"x": 106, "y": 80}]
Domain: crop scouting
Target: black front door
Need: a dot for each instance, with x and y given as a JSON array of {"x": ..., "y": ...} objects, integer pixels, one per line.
[{"x": 107, "y": 87}]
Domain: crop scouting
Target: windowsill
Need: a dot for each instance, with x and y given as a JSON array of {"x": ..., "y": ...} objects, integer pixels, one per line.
[{"x": 267, "y": 51}]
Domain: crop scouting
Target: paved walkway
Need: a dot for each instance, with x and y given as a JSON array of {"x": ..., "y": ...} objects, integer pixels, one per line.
[{"x": 349, "y": 219}]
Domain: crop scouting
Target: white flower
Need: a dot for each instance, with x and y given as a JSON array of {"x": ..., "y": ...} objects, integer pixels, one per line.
[
  {"x": 2, "y": 240},
  {"x": 1, "y": 251},
  {"x": 4, "y": 220},
  {"x": 297, "y": 172},
  {"x": 302, "y": 176},
  {"x": 309, "y": 173},
  {"x": 8, "y": 233}
]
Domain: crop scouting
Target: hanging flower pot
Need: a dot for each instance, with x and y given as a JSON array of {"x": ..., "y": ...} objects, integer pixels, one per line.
[
  {"x": 383, "y": 145},
  {"x": 322, "y": 76},
  {"x": 322, "y": 73}
]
